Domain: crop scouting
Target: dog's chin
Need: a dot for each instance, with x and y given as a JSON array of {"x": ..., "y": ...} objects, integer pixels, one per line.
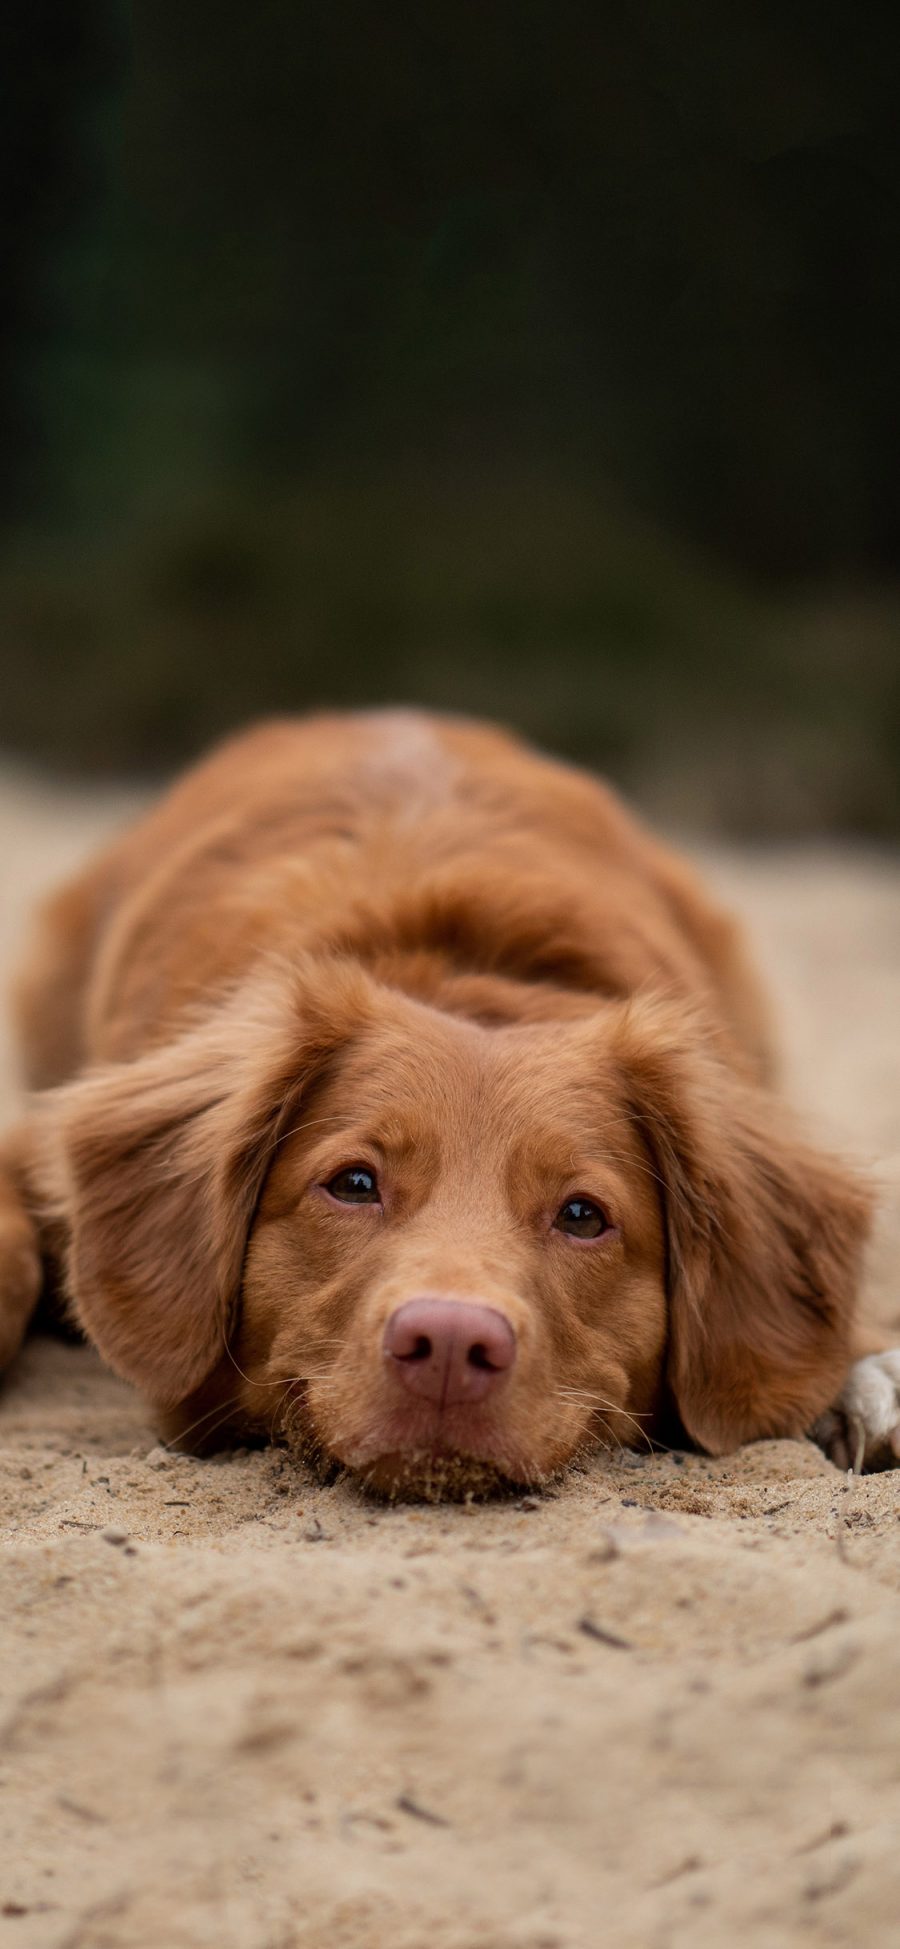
[
  {"x": 413, "y": 1474},
  {"x": 433, "y": 1474},
  {"x": 425, "y": 1476}
]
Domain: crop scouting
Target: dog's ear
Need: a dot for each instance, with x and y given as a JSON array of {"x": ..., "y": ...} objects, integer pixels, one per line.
[
  {"x": 151, "y": 1171},
  {"x": 765, "y": 1237}
]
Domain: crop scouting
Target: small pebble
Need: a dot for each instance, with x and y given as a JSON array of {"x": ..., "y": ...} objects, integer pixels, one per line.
[
  {"x": 606, "y": 1550},
  {"x": 115, "y": 1536},
  {"x": 158, "y": 1458}
]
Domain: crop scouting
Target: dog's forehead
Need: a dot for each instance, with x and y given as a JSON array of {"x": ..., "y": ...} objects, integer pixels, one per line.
[{"x": 435, "y": 1067}]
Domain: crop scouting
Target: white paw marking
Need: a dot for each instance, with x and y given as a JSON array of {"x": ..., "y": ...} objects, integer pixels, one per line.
[{"x": 863, "y": 1427}]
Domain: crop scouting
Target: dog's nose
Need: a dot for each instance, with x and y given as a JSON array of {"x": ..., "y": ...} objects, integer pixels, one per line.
[{"x": 449, "y": 1352}]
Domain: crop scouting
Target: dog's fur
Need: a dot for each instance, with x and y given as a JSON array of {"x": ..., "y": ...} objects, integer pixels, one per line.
[{"x": 418, "y": 945}]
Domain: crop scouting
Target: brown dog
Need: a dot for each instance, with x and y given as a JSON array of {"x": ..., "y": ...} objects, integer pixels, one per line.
[{"x": 399, "y": 1096}]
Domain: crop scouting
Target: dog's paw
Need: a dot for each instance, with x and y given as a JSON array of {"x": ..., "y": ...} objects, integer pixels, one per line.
[
  {"x": 20, "y": 1280},
  {"x": 862, "y": 1429}
]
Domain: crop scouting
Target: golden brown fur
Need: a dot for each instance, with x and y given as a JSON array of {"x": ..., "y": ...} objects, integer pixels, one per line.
[{"x": 417, "y": 943}]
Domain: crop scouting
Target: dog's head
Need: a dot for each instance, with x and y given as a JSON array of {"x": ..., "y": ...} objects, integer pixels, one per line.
[{"x": 444, "y": 1253}]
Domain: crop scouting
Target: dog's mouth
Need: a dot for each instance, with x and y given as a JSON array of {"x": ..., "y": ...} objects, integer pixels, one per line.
[{"x": 453, "y": 1460}]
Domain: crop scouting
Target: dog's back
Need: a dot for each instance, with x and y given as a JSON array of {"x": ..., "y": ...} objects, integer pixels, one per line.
[{"x": 431, "y": 849}]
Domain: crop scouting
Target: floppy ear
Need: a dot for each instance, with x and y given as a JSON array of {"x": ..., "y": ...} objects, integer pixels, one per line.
[
  {"x": 152, "y": 1169},
  {"x": 765, "y": 1238}
]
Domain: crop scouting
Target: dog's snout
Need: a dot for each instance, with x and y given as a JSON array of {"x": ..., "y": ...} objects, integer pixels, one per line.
[{"x": 448, "y": 1351}]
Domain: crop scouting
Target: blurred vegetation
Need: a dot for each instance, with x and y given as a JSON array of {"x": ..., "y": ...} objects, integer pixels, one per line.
[{"x": 531, "y": 359}]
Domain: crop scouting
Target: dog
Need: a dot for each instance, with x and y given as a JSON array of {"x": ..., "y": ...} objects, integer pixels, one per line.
[{"x": 397, "y": 1096}]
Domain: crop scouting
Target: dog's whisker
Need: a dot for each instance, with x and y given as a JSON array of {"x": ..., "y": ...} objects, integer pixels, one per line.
[
  {"x": 311, "y": 1123},
  {"x": 585, "y": 1397},
  {"x": 591, "y": 1399},
  {"x": 219, "y": 1407},
  {"x": 239, "y": 1370},
  {"x": 611, "y": 1433},
  {"x": 279, "y": 1380}
]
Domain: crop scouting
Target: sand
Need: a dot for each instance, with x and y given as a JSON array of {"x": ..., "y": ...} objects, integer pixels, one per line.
[{"x": 656, "y": 1709}]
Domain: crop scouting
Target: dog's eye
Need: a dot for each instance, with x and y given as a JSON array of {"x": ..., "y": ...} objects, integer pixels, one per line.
[
  {"x": 581, "y": 1218},
  {"x": 355, "y": 1186}
]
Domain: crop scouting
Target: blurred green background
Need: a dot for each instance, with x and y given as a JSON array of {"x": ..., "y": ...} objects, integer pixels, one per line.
[{"x": 527, "y": 357}]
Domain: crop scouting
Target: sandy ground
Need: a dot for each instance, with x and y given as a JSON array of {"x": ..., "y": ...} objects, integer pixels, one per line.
[{"x": 658, "y": 1709}]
